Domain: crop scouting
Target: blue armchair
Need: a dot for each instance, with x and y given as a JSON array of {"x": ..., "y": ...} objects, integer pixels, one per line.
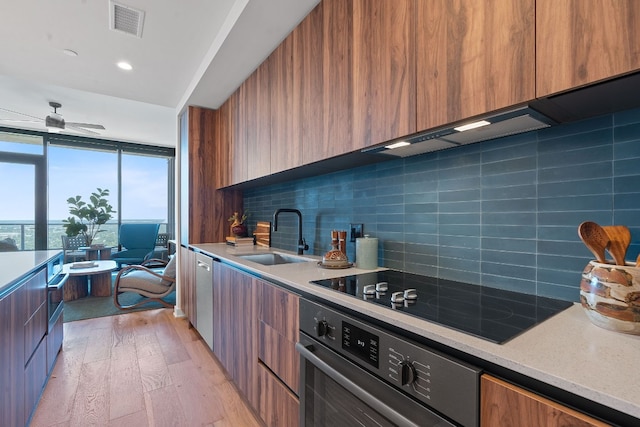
[{"x": 136, "y": 243}]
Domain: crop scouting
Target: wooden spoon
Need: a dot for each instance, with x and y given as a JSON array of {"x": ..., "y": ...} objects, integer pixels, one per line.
[
  {"x": 620, "y": 237},
  {"x": 594, "y": 238}
]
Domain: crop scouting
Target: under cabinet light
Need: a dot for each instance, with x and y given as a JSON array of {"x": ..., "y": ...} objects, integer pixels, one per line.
[
  {"x": 472, "y": 125},
  {"x": 397, "y": 145}
]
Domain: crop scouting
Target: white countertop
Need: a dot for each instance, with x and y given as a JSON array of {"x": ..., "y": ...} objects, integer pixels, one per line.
[
  {"x": 15, "y": 265},
  {"x": 566, "y": 351}
]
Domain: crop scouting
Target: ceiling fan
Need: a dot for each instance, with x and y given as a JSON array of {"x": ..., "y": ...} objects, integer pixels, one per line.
[{"x": 55, "y": 122}]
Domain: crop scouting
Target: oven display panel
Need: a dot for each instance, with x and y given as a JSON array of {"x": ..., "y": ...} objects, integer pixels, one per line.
[{"x": 360, "y": 343}]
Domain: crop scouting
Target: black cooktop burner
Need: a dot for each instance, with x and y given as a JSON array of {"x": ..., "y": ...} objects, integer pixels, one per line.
[{"x": 493, "y": 314}]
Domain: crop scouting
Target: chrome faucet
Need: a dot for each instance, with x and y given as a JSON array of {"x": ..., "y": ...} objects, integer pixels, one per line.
[{"x": 302, "y": 245}]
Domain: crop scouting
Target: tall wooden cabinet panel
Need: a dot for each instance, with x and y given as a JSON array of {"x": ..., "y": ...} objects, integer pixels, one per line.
[
  {"x": 308, "y": 108},
  {"x": 504, "y": 404},
  {"x": 286, "y": 149},
  {"x": 472, "y": 57},
  {"x": 235, "y": 327},
  {"x": 187, "y": 276},
  {"x": 238, "y": 146},
  {"x": 255, "y": 104},
  {"x": 337, "y": 69},
  {"x": 384, "y": 70},
  {"x": 12, "y": 359},
  {"x": 584, "y": 41},
  {"x": 204, "y": 167}
]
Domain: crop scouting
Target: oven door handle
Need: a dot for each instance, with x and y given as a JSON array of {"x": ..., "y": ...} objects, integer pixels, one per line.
[
  {"x": 360, "y": 393},
  {"x": 59, "y": 285}
]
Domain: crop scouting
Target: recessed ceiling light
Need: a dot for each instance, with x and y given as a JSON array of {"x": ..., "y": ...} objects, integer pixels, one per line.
[
  {"x": 125, "y": 65},
  {"x": 70, "y": 52}
]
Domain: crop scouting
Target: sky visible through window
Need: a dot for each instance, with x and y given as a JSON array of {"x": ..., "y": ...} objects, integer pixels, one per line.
[{"x": 79, "y": 172}]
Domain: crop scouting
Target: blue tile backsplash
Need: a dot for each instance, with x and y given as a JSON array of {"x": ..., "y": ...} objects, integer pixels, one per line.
[{"x": 501, "y": 213}]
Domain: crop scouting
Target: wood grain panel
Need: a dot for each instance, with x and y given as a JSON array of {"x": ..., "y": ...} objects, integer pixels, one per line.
[
  {"x": 384, "y": 70},
  {"x": 337, "y": 41},
  {"x": 472, "y": 57},
  {"x": 209, "y": 140},
  {"x": 278, "y": 333},
  {"x": 584, "y": 41},
  {"x": 12, "y": 359},
  {"x": 234, "y": 115},
  {"x": 308, "y": 108},
  {"x": 286, "y": 151},
  {"x": 278, "y": 406},
  {"x": 256, "y": 101},
  {"x": 504, "y": 404},
  {"x": 188, "y": 282},
  {"x": 235, "y": 327}
]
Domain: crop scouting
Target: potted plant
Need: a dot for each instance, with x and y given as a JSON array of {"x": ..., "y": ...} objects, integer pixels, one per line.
[
  {"x": 238, "y": 227},
  {"x": 86, "y": 217}
]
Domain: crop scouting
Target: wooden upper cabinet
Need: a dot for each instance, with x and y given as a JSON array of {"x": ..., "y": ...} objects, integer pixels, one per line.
[
  {"x": 256, "y": 104},
  {"x": 240, "y": 121},
  {"x": 308, "y": 86},
  {"x": 286, "y": 150},
  {"x": 473, "y": 57},
  {"x": 584, "y": 41},
  {"x": 384, "y": 70}
]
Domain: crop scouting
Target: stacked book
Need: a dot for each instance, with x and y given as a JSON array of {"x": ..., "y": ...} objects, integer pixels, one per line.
[{"x": 240, "y": 241}]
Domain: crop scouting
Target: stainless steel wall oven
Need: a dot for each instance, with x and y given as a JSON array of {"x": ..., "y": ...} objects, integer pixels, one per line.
[{"x": 356, "y": 374}]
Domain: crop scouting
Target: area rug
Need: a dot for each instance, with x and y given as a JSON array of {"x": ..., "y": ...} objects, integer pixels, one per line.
[{"x": 90, "y": 307}]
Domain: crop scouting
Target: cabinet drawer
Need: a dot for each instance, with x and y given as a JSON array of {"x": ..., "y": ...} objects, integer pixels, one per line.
[
  {"x": 278, "y": 406},
  {"x": 34, "y": 330},
  {"x": 35, "y": 376},
  {"x": 36, "y": 292},
  {"x": 54, "y": 342},
  {"x": 280, "y": 355}
]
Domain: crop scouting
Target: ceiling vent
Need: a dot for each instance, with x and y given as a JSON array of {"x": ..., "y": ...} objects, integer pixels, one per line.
[{"x": 125, "y": 19}]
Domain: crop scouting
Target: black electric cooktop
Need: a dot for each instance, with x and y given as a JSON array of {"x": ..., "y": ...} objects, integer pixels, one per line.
[{"x": 493, "y": 314}]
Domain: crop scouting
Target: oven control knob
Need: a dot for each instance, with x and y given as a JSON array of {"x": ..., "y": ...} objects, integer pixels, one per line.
[
  {"x": 369, "y": 290},
  {"x": 382, "y": 286},
  {"x": 397, "y": 297},
  {"x": 322, "y": 328},
  {"x": 408, "y": 372},
  {"x": 410, "y": 294}
]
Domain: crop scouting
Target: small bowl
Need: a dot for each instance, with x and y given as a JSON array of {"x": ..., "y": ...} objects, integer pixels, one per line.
[
  {"x": 610, "y": 294},
  {"x": 335, "y": 258}
]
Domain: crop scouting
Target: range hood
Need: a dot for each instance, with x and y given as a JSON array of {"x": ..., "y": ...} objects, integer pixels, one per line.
[
  {"x": 590, "y": 101},
  {"x": 511, "y": 122}
]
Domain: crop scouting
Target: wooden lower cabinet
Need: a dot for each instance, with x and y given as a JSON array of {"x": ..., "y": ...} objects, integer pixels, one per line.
[
  {"x": 278, "y": 406},
  {"x": 505, "y": 404},
  {"x": 187, "y": 283},
  {"x": 235, "y": 327}
]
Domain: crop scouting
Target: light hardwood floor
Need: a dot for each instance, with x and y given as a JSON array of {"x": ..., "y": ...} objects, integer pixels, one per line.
[{"x": 138, "y": 369}]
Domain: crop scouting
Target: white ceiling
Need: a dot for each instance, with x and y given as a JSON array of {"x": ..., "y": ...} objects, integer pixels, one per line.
[{"x": 192, "y": 52}]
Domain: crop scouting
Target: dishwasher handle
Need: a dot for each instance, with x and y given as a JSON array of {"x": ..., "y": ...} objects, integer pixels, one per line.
[{"x": 203, "y": 265}]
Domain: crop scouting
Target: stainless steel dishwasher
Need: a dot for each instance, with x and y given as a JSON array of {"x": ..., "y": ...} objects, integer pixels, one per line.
[{"x": 204, "y": 297}]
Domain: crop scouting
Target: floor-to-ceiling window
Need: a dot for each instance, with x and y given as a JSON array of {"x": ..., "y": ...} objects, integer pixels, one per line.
[
  {"x": 22, "y": 174},
  {"x": 40, "y": 171}
]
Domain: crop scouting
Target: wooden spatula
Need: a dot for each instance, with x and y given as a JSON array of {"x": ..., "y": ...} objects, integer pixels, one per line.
[
  {"x": 595, "y": 238},
  {"x": 620, "y": 237}
]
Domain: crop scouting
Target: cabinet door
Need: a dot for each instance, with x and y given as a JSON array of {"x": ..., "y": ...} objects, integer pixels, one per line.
[
  {"x": 472, "y": 57},
  {"x": 12, "y": 358},
  {"x": 286, "y": 149},
  {"x": 384, "y": 70},
  {"x": 187, "y": 277},
  {"x": 504, "y": 404},
  {"x": 235, "y": 326},
  {"x": 584, "y": 41},
  {"x": 255, "y": 100},
  {"x": 278, "y": 333}
]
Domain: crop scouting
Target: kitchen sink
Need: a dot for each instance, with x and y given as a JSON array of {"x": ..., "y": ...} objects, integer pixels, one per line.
[{"x": 273, "y": 258}]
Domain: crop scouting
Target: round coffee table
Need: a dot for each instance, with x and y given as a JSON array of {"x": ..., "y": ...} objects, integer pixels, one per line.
[{"x": 98, "y": 276}]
